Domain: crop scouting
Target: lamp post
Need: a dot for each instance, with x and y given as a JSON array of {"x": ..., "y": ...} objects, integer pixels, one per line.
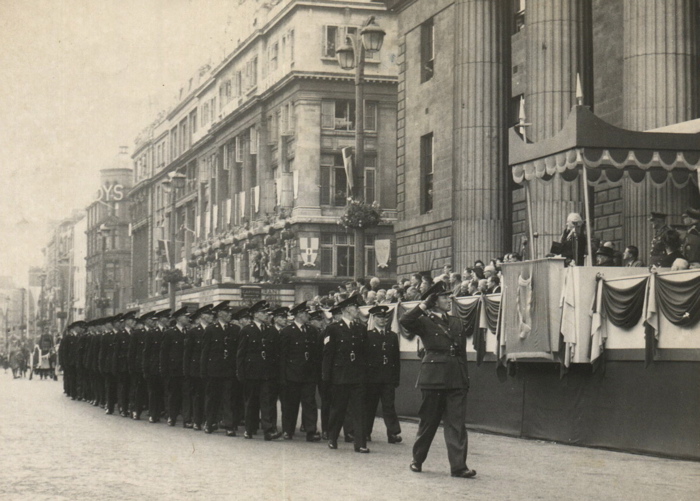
[
  {"x": 175, "y": 182},
  {"x": 352, "y": 55}
]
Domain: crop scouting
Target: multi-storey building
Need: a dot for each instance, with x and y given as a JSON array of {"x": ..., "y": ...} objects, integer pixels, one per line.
[
  {"x": 259, "y": 139},
  {"x": 107, "y": 267},
  {"x": 470, "y": 69},
  {"x": 13, "y": 312}
]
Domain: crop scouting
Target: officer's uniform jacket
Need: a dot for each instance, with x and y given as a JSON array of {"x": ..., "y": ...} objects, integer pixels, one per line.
[
  {"x": 344, "y": 359},
  {"x": 136, "y": 345},
  {"x": 219, "y": 350},
  {"x": 658, "y": 249},
  {"x": 151, "y": 351},
  {"x": 192, "y": 358},
  {"x": 64, "y": 350},
  {"x": 108, "y": 352},
  {"x": 383, "y": 357},
  {"x": 300, "y": 357},
  {"x": 172, "y": 352},
  {"x": 691, "y": 244},
  {"x": 94, "y": 352},
  {"x": 72, "y": 356},
  {"x": 257, "y": 357},
  {"x": 444, "y": 365},
  {"x": 82, "y": 351},
  {"x": 121, "y": 352}
]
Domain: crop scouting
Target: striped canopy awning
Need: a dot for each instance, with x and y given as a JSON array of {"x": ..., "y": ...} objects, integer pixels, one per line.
[{"x": 608, "y": 153}]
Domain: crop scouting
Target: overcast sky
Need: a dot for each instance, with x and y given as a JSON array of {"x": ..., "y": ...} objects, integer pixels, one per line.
[{"x": 79, "y": 78}]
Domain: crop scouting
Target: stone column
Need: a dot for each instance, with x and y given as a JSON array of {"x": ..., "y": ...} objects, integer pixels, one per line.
[
  {"x": 307, "y": 157},
  {"x": 660, "y": 72},
  {"x": 557, "y": 34},
  {"x": 480, "y": 153}
]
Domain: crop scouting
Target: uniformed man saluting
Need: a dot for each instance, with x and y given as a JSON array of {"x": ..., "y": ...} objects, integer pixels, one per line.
[
  {"x": 443, "y": 378},
  {"x": 344, "y": 367}
]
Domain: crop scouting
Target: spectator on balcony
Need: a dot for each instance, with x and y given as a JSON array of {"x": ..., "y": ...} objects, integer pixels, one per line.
[
  {"x": 672, "y": 246},
  {"x": 494, "y": 285},
  {"x": 426, "y": 283},
  {"x": 630, "y": 257},
  {"x": 605, "y": 257},
  {"x": 691, "y": 244},
  {"x": 658, "y": 249}
]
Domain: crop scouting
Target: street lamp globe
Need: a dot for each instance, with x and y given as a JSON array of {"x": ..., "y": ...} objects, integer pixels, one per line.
[
  {"x": 346, "y": 55},
  {"x": 372, "y": 37}
]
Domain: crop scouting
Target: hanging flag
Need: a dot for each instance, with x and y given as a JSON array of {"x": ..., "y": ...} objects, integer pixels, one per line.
[
  {"x": 295, "y": 182},
  {"x": 241, "y": 200},
  {"x": 347, "y": 163},
  {"x": 278, "y": 191},
  {"x": 308, "y": 248},
  {"x": 256, "y": 198},
  {"x": 382, "y": 251}
]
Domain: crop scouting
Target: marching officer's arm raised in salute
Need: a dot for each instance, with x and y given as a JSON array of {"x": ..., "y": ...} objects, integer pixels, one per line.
[{"x": 443, "y": 378}]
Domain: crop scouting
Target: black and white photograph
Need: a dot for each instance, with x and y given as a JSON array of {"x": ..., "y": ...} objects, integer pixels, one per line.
[{"x": 350, "y": 250}]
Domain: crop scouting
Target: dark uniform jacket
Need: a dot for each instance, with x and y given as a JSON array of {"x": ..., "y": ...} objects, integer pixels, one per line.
[
  {"x": 219, "y": 351},
  {"x": 120, "y": 364},
  {"x": 658, "y": 249},
  {"x": 82, "y": 358},
  {"x": 444, "y": 364},
  {"x": 64, "y": 350},
  {"x": 107, "y": 351},
  {"x": 94, "y": 352},
  {"x": 383, "y": 357},
  {"x": 172, "y": 352},
  {"x": 257, "y": 355},
  {"x": 192, "y": 357},
  {"x": 344, "y": 359},
  {"x": 151, "y": 351},
  {"x": 300, "y": 357},
  {"x": 136, "y": 344},
  {"x": 691, "y": 245}
]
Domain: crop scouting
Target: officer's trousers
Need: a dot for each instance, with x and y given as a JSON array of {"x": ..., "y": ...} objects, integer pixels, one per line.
[
  {"x": 214, "y": 394},
  {"x": 294, "y": 394},
  {"x": 154, "y": 382},
  {"x": 348, "y": 397},
  {"x": 173, "y": 396},
  {"x": 450, "y": 406},
  {"x": 260, "y": 396},
  {"x": 233, "y": 404},
  {"x": 385, "y": 393},
  {"x": 123, "y": 391}
]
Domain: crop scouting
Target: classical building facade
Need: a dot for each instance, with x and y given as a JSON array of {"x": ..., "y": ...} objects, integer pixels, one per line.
[
  {"x": 258, "y": 139},
  {"x": 471, "y": 69},
  {"x": 107, "y": 267}
]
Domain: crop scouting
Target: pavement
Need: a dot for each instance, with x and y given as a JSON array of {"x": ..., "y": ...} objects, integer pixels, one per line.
[{"x": 54, "y": 448}]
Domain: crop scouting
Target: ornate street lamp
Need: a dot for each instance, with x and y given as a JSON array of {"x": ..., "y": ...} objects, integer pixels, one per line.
[
  {"x": 176, "y": 182},
  {"x": 352, "y": 55}
]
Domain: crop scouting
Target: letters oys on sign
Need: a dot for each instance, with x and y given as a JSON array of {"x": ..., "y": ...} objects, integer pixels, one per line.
[{"x": 110, "y": 192}]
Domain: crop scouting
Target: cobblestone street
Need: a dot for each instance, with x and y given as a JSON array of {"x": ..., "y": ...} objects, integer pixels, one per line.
[{"x": 55, "y": 448}]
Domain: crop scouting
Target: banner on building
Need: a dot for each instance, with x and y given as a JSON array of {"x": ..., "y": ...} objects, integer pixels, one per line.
[
  {"x": 295, "y": 183},
  {"x": 382, "y": 249},
  {"x": 308, "y": 248},
  {"x": 256, "y": 198},
  {"x": 347, "y": 163},
  {"x": 241, "y": 201}
]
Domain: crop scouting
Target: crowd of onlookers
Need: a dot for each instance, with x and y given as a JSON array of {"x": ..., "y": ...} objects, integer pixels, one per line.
[
  {"x": 474, "y": 281},
  {"x": 668, "y": 250}
]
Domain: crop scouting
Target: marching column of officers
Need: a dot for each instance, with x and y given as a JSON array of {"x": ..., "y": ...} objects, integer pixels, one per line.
[{"x": 223, "y": 366}]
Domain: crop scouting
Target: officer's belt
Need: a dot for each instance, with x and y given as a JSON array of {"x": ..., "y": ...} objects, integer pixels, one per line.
[{"x": 452, "y": 353}]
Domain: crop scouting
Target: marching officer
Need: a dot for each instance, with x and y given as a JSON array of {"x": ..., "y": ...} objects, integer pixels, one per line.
[
  {"x": 81, "y": 362},
  {"x": 299, "y": 370},
  {"x": 344, "y": 364},
  {"x": 192, "y": 359},
  {"x": 383, "y": 373},
  {"x": 317, "y": 323},
  {"x": 443, "y": 379},
  {"x": 257, "y": 368},
  {"x": 96, "y": 377},
  {"x": 172, "y": 352},
  {"x": 137, "y": 383},
  {"x": 151, "y": 363},
  {"x": 121, "y": 361},
  {"x": 106, "y": 362},
  {"x": 234, "y": 397},
  {"x": 217, "y": 363}
]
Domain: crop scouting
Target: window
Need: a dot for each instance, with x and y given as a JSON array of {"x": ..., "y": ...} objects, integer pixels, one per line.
[
  {"x": 205, "y": 113},
  {"x": 193, "y": 121},
  {"x": 238, "y": 84},
  {"x": 514, "y": 111},
  {"x": 337, "y": 254},
  {"x": 273, "y": 55},
  {"x": 330, "y": 41},
  {"x": 370, "y": 257},
  {"x": 370, "y": 178},
  {"x": 338, "y": 114},
  {"x": 251, "y": 72},
  {"x": 426, "y": 170},
  {"x": 290, "y": 43},
  {"x": 173, "y": 144},
  {"x": 370, "y": 116},
  {"x": 427, "y": 49},
  {"x": 272, "y": 128},
  {"x": 334, "y": 184}
]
